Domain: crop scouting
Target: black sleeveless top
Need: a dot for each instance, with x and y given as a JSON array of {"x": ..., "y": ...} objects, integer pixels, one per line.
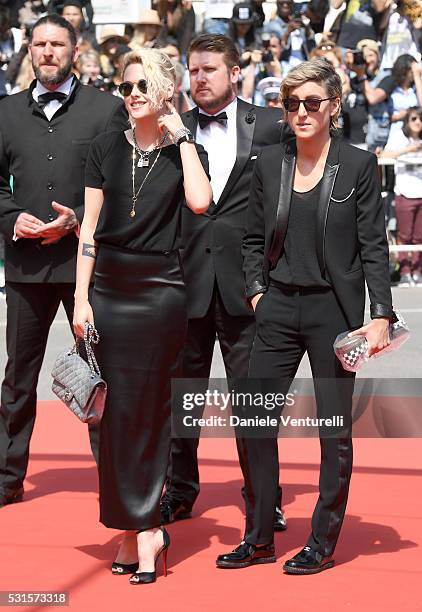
[{"x": 298, "y": 264}]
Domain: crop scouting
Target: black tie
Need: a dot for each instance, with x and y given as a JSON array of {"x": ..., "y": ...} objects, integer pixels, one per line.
[
  {"x": 205, "y": 120},
  {"x": 45, "y": 98}
]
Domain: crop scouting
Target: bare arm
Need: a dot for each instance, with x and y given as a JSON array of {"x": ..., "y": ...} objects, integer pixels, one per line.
[
  {"x": 374, "y": 95},
  {"x": 394, "y": 153},
  {"x": 198, "y": 192},
  {"x": 87, "y": 253}
]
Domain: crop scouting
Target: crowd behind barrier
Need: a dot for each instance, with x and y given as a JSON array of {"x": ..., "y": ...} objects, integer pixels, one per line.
[{"x": 374, "y": 46}]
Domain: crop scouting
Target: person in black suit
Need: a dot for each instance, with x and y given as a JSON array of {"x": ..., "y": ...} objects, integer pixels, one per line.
[
  {"x": 315, "y": 234},
  {"x": 232, "y": 132},
  {"x": 45, "y": 136}
]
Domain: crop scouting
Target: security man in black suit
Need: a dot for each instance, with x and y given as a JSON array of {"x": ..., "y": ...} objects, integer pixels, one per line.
[
  {"x": 45, "y": 133},
  {"x": 232, "y": 132}
]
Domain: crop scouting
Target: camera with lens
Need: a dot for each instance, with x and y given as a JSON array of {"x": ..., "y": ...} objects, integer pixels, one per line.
[
  {"x": 358, "y": 58},
  {"x": 102, "y": 83},
  {"x": 267, "y": 55}
]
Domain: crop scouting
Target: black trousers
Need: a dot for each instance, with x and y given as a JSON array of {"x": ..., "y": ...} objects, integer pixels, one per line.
[
  {"x": 235, "y": 335},
  {"x": 31, "y": 308},
  {"x": 290, "y": 322}
]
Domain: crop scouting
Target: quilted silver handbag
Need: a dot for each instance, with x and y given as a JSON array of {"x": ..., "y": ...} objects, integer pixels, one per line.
[{"x": 78, "y": 383}]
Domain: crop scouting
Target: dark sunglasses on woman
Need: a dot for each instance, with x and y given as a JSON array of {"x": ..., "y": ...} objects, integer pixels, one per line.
[
  {"x": 126, "y": 87},
  {"x": 311, "y": 105}
]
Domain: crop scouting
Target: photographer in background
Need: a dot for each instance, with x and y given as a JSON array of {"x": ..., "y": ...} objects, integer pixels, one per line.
[
  {"x": 242, "y": 31},
  {"x": 379, "y": 114},
  {"x": 355, "y": 106},
  {"x": 265, "y": 62},
  {"x": 294, "y": 31},
  {"x": 402, "y": 89}
]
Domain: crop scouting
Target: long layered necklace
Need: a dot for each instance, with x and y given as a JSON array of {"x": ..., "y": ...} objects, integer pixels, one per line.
[{"x": 142, "y": 163}]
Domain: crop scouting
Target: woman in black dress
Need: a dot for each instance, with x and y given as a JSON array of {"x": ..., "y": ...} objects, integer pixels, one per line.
[{"x": 136, "y": 182}]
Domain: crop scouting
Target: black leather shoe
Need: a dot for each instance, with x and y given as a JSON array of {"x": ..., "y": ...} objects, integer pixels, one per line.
[
  {"x": 173, "y": 510},
  {"x": 307, "y": 561},
  {"x": 245, "y": 555},
  {"x": 280, "y": 523},
  {"x": 11, "y": 496}
]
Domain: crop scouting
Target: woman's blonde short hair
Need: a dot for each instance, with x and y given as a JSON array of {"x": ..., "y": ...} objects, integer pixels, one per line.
[
  {"x": 159, "y": 73},
  {"x": 318, "y": 70}
]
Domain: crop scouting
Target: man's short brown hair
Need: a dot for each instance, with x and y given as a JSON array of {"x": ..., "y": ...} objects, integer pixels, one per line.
[{"x": 216, "y": 43}]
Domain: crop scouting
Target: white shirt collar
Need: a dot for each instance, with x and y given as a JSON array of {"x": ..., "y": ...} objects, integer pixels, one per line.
[{"x": 39, "y": 89}]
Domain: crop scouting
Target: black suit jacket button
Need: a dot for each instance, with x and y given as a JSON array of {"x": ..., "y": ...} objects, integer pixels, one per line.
[
  {"x": 49, "y": 186},
  {"x": 50, "y": 129},
  {"x": 207, "y": 250},
  {"x": 49, "y": 157},
  {"x": 213, "y": 217},
  {"x": 50, "y": 218}
]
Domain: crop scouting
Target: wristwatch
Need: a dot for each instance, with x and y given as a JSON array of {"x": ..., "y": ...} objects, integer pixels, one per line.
[{"x": 183, "y": 135}]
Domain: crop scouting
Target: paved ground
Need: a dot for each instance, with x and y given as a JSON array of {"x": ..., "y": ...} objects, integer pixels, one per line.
[{"x": 404, "y": 363}]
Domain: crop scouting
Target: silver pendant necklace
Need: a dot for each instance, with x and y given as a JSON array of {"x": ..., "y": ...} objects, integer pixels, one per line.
[{"x": 144, "y": 156}]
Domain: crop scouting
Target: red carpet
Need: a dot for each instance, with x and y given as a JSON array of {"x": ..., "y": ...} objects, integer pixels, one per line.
[{"x": 53, "y": 540}]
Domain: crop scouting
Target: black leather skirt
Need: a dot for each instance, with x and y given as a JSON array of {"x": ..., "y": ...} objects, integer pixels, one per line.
[{"x": 139, "y": 309}]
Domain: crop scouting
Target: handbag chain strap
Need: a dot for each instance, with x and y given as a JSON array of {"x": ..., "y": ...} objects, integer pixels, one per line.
[{"x": 91, "y": 336}]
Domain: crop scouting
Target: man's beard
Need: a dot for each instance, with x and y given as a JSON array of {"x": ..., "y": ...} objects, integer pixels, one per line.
[
  {"x": 209, "y": 105},
  {"x": 54, "y": 79}
]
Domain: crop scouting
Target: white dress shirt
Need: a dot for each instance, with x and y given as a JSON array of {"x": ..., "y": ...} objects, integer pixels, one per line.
[
  {"x": 220, "y": 142},
  {"x": 52, "y": 107}
]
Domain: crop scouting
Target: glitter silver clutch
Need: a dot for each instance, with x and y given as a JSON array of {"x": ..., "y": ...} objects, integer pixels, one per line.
[
  {"x": 353, "y": 352},
  {"x": 78, "y": 383}
]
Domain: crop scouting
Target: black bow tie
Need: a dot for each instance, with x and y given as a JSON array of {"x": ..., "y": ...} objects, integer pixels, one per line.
[
  {"x": 45, "y": 98},
  {"x": 205, "y": 120}
]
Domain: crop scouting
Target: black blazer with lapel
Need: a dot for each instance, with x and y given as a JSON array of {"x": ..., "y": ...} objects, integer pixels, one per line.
[
  {"x": 351, "y": 238},
  {"x": 212, "y": 241},
  {"x": 47, "y": 162}
]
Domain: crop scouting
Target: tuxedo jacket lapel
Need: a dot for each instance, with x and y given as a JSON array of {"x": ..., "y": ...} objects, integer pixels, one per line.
[
  {"x": 286, "y": 178},
  {"x": 245, "y": 126},
  {"x": 327, "y": 186},
  {"x": 190, "y": 119}
]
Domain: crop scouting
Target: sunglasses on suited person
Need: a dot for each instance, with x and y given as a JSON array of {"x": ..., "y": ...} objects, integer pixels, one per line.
[
  {"x": 312, "y": 105},
  {"x": 126, "y": 87}
]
